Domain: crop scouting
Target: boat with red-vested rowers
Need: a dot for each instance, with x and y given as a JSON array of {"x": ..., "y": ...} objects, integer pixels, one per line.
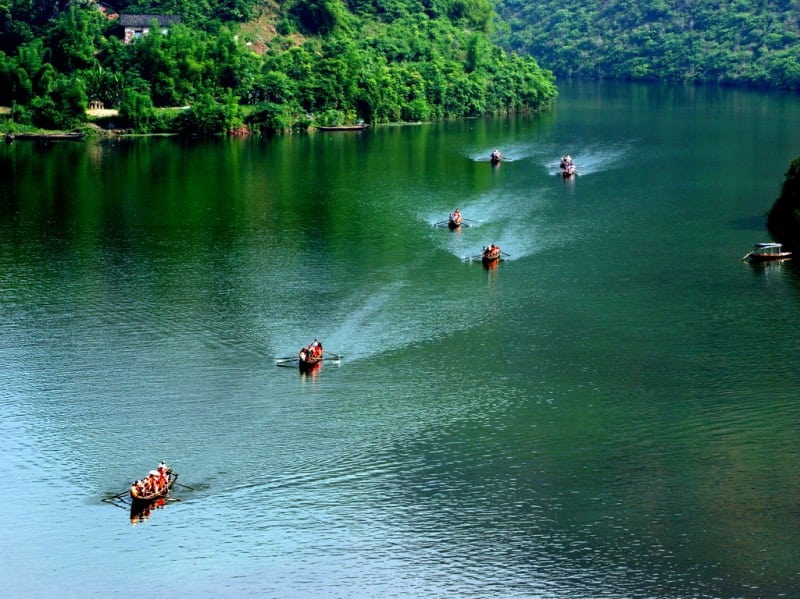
[
  {"x": 310, "y": 355},
  {"x": 155, "y": 485},
  {"x": 491, "y": 255}
]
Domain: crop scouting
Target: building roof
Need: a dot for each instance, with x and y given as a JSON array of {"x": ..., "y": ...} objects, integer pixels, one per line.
[{"x": 144, "y": 20}]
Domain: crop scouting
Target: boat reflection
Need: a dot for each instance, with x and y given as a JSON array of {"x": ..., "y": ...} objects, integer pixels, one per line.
[
  {"x": 142, "y": 510},
  {"x": 310, "y": 370}
]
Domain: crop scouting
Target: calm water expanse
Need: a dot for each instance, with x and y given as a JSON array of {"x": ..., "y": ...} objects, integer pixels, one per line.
[{"x": 612, "y": 412}]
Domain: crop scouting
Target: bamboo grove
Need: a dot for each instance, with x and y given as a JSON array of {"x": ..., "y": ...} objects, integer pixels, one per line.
[{"x": 264, "y": 66}]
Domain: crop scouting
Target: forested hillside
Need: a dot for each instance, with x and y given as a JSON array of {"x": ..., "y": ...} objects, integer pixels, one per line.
[
  {"x": 260, "y": 64},
  {"x": 738, "y": 42}
]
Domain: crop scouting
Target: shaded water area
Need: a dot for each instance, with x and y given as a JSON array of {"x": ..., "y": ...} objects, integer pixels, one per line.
[{"x": 611, "y": 412}]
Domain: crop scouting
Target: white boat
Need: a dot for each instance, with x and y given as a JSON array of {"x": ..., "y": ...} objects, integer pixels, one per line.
[{"x": 765, "y": 252}]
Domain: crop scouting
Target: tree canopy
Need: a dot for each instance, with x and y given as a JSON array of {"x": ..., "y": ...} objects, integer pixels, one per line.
[
  {"x": 278, "y": 66},
  {"x": 730, "y": 42}
]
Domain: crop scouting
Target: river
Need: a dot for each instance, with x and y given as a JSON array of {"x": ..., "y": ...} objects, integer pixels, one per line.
[{"x": 611, "y": 412}]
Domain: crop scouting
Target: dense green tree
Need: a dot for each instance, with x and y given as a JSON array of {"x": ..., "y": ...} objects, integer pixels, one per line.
[
  {"x": 63, "y": 105},
  {"x": 136, "y": 108},
  {"x": 784, "y": 217},
  {"x": 378, "y": 60},
  {"x": 732, "y": 42},
  {"x": 74, "y": 37}
]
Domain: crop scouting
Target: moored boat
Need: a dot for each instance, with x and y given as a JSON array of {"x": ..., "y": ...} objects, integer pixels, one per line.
[
  {"x": 767, "y": 252},
  {"x": 66, "y": 136},
  {"x": 356, "y": 127},
  {"x": 155, "y": 485}
]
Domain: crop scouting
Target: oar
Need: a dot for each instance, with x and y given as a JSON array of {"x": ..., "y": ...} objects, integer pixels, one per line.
[
  {"x": 745, "y": 257},
  {"x": 184, "y": 486},
  {"x": 506, "y": 254},
  {"x": 335, "y": 356},
  {"x": 440, "y": 223}
]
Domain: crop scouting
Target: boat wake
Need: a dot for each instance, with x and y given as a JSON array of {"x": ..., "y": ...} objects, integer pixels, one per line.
[
  {"x": 507, "y": 220},
  {"x": 510, "y": 152},
  {"x": 588, "y": 160}
]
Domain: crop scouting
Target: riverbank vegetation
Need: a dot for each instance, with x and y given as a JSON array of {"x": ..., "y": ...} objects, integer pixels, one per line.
[
  {"x": 729, "y": 42},
  {"x": 784, "y": 217},
  {"x": 244, "y": 65}
]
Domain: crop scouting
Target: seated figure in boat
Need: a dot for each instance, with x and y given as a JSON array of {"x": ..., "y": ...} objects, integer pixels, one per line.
[
  {"x": 496, "y": 157},
  {"x": 455, "y": 217},
  {"x": 491, "y": 252},
  {"x": 311, "y": 351}
]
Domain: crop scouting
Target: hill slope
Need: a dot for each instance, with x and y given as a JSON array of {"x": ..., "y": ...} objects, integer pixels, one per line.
[
  {"x": 738, "y": 42},
  {"x": 292, "y": 64}
]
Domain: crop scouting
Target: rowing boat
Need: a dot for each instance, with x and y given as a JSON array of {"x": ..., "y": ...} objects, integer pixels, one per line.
[
  {"x": 491, "y": 256},
  {"x": 309, "y": 356},
  {"x": 138, "y": 496}
]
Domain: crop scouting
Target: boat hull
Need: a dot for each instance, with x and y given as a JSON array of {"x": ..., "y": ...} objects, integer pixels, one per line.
[
  {"x": 769, "y": 257},
  {"x": 767, "y": 252},
  {"x": 344, "y": 127}
]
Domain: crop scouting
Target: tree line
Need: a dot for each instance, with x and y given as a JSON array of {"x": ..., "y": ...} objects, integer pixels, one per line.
[
  {"x": 729, "y": 42},
  {"x": 325, "y": 62}
]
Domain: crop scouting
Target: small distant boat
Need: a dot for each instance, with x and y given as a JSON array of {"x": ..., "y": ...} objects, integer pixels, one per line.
[
  {"x": 356, "y": 127},
  {"x": 455, "y": 220},
  {"x": 766, "y": 252},
  {"x": 495, "y": 157},
  {"x": 567, "y": 167}
]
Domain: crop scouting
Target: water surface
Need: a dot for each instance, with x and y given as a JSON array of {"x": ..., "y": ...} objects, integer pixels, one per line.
[{"x": 611, "y": 412}]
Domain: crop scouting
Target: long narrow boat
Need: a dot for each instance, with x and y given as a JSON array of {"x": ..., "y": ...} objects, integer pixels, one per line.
[
  {"x": 139, "y": 497},
  {"x": 73, "y": 135},
  {"x": 357, "y": 127}
]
